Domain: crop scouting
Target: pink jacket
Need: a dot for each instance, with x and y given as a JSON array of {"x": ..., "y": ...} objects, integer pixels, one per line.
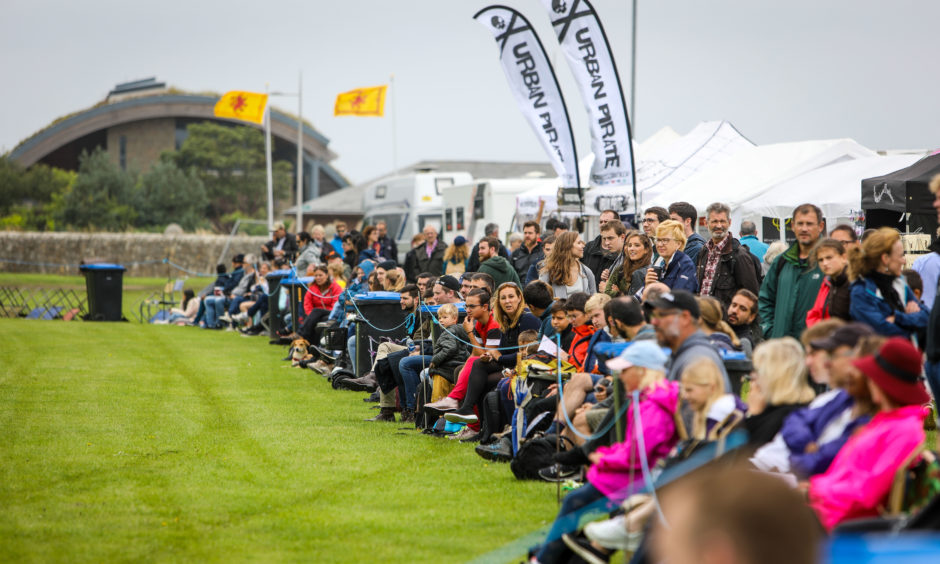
[
  {"x": 859, "y": 479},
  {"x": 612, "y": 474}
]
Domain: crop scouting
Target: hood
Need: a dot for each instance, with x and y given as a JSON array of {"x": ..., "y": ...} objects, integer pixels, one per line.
[
  {"x": 367, "y": 266},
  {"x": 584, "y": 330},
  {"x": 665, "y": 394},
  {"x": 792, "y": 255},
  {"x": 498, "y": 263}
]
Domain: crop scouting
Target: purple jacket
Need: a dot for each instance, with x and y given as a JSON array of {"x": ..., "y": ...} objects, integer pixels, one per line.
[
  {"x": 804, "y": 426},
  {"x": 621, "y": 461}
]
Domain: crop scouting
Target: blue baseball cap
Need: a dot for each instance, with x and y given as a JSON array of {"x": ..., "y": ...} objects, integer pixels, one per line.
[{"x": 647, "y": 354}]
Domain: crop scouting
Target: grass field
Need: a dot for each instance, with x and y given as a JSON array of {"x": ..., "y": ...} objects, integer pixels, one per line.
[{"x": 128, "y": 442}]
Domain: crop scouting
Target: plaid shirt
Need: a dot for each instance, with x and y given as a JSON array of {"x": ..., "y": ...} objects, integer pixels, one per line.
[{"x": 711, "y": 263}]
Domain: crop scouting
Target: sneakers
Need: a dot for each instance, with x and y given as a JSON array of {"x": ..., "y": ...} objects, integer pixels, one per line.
[
  {"x": 457, "y": 417},
  {"x": 497, "y": 451},
  {"x": 386, "y": 414},
  {"x": 464, "y": 433},
  {"x": 407, "y": 415},
  {"x": 240, "y": 317},
  {"x": 447, "y": 403},
  {"x": 225, "y": 317},
  {"x": 613, "y": 534},
  {"x": 583, "y": 548},
  {"x": 559, "y": 473}
]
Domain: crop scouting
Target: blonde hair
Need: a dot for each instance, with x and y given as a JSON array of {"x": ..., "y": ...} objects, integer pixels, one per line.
[
  {"x": 781, "y": 371},
  {"x": 774, "y": 250},
  {"x": 595, "y": 302},
  {"x": 456, "y": 254},
  {"x": 866, "y": 258},
  {"x": 505, "y": 320},
  {"x": 710, "y": 317},
  {"x": 672, "y": 229},
  {"x": 337, "y": 271},
  {"x": 394, "y": 280},
  {"x": 448, "y": 310},
  {"x": 651, "y": 378},
  {"x": 704, "y": 372},
  {"x": 318, "y": 229}
]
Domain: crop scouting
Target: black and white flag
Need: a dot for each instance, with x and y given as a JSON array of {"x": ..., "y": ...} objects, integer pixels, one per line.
[
  {"x": 585, "y": 45},
  {"x": 534, "y": 85}
]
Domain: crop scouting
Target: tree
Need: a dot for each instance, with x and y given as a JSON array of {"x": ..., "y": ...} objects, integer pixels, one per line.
[
  {"x": 230, "y": 162},
  {"x": 102, "y": 197},
  {"x": 27, "y": 197},
  {"x": 170, "y": 195}
]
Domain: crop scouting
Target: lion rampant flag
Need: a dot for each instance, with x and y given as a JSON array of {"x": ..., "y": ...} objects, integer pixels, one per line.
[
  {"x": 361, "y": 102},
  {"x": 247, "y": 106}
]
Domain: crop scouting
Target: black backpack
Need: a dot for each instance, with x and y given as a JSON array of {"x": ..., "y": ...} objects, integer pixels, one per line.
[{"x": 537, "y": 453}]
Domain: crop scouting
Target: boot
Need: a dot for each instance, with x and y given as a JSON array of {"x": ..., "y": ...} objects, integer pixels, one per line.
[
  {"x": 367, "y": 383},
  {"x": 407, "y": 415},
  {"x": 385, "y": 414}
]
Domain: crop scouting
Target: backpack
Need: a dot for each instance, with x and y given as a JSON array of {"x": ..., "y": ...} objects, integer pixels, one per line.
[{"x": 537, "y": 453}]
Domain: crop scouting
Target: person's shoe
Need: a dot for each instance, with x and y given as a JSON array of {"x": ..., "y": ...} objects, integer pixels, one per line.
[
  {"x": 446, "y": 403},
  {"x": 457, "y": 417},
  {"x": 225, "y": 317},
  {"x": 321, "y": 367},
  {"x": 365, "y": 383},
  {"x": 373, "y": 398},
  {"x": 386, "y": 414},
  {"x": 407, "y": 415},
  {"x": 613, "y": 534},
  {"x": 474, "y": 438},
  {"x": 462, "y": 434},
  {"x": 559, "y": 473},
  {"x": 583, "y": 548},
  {"x": 497, "y": 451},
  {"x": 240, "y": 317}
]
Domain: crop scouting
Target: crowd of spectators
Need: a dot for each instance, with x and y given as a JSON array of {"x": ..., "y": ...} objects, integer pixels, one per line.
[{"x": 839, "y": 339}]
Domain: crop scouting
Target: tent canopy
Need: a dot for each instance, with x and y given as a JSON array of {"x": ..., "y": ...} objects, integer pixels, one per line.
[{"x": 904, "y": 191}]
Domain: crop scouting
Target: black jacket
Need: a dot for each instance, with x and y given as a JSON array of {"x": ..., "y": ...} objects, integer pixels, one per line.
[
  {"x": 451, "y": 351},
  {"x": 417, "y": 261},
  {"x": 290, "y": 247},
  {"x": 389, "y": 247},
  {"x": 595, "y": 257},
  {"x": 522, "y": 258},
  {"x": 735, "y": 270}
]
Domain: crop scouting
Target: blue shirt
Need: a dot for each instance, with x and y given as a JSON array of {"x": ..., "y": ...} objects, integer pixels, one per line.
[
  {"x": 755, "y": 245},
  {"x": 928, "y": 266}
]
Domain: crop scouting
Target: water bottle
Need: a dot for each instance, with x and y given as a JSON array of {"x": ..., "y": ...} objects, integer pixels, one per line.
[{"x": 410, "y": 344}]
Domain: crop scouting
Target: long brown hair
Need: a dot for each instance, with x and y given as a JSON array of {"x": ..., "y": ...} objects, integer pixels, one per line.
[
  {"x": 561, "y": 261},
  {"x": 629, "y": 266},
  {"x": 506, "y": 321},
  {"x": 866, "y": 258}
]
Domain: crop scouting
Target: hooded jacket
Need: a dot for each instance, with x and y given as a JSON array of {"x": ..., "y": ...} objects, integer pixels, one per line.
[
  {"x": 695, "y": 346},
  {"x": 869, "y": 306},
  {"x": 451, "y": 351},
  {"x": 578, "y": 351},
  {"x": 622, "y": 461},
  {"x": 500, "y": 269},
  {"x": 787, "y": 294},
  {"x": 679, "y": 274}
]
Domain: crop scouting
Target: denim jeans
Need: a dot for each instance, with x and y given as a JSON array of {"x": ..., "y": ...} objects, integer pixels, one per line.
[
  {"x": 410, "y": 368},
  {"x": 932, "y": 369},
  {"x": 351, "y": 348},
  {"x": 215, "y": 307}
]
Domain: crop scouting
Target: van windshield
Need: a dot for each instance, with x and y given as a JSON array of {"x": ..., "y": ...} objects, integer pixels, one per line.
[{"x": 392, "y": 220}]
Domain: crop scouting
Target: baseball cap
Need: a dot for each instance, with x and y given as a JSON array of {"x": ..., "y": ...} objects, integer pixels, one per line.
[
  {"x": 647, "y": 354},
  {"x": 460, "y": 240},
  {"x": 387, "y": 265},
  {"x": 449, "y": 282}
]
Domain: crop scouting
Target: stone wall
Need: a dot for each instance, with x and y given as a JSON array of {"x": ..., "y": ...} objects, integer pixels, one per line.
[{"x": 61, "y": 253}]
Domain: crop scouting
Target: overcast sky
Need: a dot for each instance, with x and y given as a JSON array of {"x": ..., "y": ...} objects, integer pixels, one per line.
[{"x": 779, "y": 71}]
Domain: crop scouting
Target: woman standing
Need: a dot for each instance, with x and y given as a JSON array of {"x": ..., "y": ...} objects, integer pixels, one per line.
[
  {"x": 373, "y": 249},
  {"x": 563, "y": 268},
  {"x": 880, "y": 297},
  {"x": 456, "y": 257},
  {"x": 629, "y": 279},
  {"x": 486, "y": 372},
  {"x": 674, "y": 268}
]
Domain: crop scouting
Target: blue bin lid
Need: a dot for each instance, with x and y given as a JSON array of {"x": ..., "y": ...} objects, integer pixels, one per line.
[
  {"x": 377, "y": 296},
  {"x": 278, "y": 274},
  {"x": 306, "y": 281},
  {"x": 433, "y": 308},
  {"x": 102, "y": 266}
]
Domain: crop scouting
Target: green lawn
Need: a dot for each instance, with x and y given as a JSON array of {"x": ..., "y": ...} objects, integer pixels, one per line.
[{"x": 128, "y": 442}]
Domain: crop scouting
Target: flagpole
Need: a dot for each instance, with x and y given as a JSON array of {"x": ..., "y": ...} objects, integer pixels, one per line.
[
  {"x": 267, "y": 155},
  {"x": 391, "y": 86},
  {"x": 300, "y": 153}
]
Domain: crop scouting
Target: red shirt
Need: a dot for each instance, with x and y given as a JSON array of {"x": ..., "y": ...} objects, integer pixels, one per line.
[
  {"x": 320, "y": 299},
  {"x": 488, "y": 335}
]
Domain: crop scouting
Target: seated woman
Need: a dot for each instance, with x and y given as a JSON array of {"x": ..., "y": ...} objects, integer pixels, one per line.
[
  {"x": 778, "y": 387},
  {"x": 674, "y": 268},
  {"x": 710, "y": 321},
  {"x": 394, "y": 280},
  {"x": 880, "y": 297},
  {"x": 318, "y": 302},
  {"x": 563, "y": 268},
  {"x": 511, "y": 315},
  {"x": 616, "y": 471},
  {"x": 628, "y": 279},
  {"x": 186, "y": 313},
  {"x": 859, "y": 480}
]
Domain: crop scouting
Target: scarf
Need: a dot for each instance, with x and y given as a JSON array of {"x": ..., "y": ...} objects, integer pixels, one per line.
[
  {"x": 711, "y": 262},
  {"x": 885, "y": 284}
]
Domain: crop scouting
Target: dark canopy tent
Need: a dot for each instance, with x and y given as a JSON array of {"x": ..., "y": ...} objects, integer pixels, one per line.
[{"x": 886, "y": 199}]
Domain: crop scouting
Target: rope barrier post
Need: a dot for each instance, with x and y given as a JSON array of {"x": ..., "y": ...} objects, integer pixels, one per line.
[
  {"x": 618, "y": 401},
  {"x": 558, "y": 404}
]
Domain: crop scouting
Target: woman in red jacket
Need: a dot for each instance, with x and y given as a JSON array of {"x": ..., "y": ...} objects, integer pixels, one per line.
[{"x": 321, "y": 295}]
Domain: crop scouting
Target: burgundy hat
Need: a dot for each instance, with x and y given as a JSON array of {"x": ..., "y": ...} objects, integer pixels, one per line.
[{"x": 895, "y": 368}]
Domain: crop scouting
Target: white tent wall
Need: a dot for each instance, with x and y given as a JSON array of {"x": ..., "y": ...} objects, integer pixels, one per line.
[{"x": 835, "y": 188}]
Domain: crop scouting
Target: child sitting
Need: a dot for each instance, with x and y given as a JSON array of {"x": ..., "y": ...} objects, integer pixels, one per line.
[
  {"x": 562, "y": 326},
  {"x": 581, "y": 327},
  {"x": 450, "y": 347}
]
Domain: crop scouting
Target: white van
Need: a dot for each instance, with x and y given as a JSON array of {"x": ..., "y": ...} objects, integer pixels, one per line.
[
  {"x": 469, "y": 207},
  {"x": 409, "y": 202}
]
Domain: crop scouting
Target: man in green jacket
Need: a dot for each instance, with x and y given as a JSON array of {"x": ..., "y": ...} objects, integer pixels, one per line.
[
  {"x": 790, "y": 287},
  {"x": 492, "y": 263}
]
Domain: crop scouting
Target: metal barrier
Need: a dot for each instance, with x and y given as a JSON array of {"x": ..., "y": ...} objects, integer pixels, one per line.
[{"x": 42, "y": 303}]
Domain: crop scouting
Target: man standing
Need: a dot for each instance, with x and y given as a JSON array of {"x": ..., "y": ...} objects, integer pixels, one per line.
[
  {"x": 675, "y": 316},
  {"x": 337, "y": 241},
  {"x": 846, "y": 235},
  {"x": 495, "y": 265},
  {"x": 530, "y": 251},
  {"x": 793, "y": 280},
  {"x": 685, "y": 213},
  {"x": 932, "y": 367},
  {"x": 724, "y": 265},
  {"x": 742, "y": 314},
  {"x": 594, "y": 253},
  {"x": 613, "y": 236},
  {"x": 427, "y": 257},
  {"x": 749, "y": 237},
  {"x": 283, "y": 244},
  {"x": 388, "y": 244},
  {"x": 652, "y": 217},
  {"x": 491, "y": 230}
]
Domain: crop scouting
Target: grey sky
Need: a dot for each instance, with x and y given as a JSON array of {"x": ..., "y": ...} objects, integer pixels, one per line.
[{"x": 780, "y": 71}]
